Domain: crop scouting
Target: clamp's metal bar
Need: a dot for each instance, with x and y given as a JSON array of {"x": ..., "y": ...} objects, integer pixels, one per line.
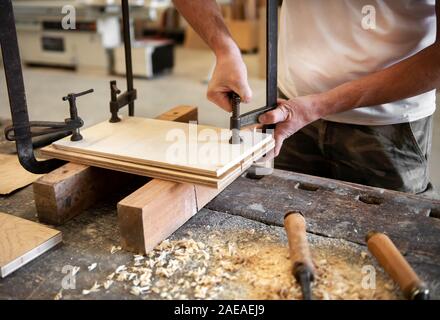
[
  {"x": 272, "y": 55},
  {"x": 127, "y": 47},
  {"x": 17, "y": 95},
  {"x": 239, "y": 121},
  {"x": 251, "y": 117}
]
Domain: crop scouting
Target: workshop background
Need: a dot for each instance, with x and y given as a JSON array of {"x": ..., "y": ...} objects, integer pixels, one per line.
[
  {"x": 95, "y": 50},
  {"x": 172, "y": 67}
]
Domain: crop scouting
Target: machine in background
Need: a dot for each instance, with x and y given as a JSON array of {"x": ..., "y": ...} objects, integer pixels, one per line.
[{"x": 95, "y": 44}]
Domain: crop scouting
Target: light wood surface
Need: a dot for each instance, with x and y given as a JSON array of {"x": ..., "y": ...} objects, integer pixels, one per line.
[
  {"x": 154, "y": 212},
  {"x": 65, "y": 192},
  {"x": 21, "y": 241},
  {"x": 193, "y": 149},
  {"x": 12, "y": 175},
  {"x": 156, "y": 172}
]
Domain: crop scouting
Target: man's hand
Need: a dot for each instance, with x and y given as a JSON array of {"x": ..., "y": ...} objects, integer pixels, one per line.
[
  {"x": 289, "y": 117},
  {"x": 230, "y": 74}
]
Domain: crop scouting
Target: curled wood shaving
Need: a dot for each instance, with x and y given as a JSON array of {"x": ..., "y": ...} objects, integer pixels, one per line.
[
  {"x": 59, "y": 295},
  {"x": 92, "y": 266},
  {"x": 107, "y": 284},
  {"x": 75, "y": 270},
  {"x": 115, "y": 249},
  {"x": 96, "y": 287}
]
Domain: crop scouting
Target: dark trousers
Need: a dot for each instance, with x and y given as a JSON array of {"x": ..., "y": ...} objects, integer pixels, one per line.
[{"x": 392, "y": 156}]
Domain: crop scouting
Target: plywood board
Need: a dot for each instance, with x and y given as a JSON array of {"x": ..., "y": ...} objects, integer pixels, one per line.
[
  {"x": 189, "y": 148},
  {"x": 156, "y": 172},
  {"x": 65, "y": 192},
  {"x": 21, "y": 241},
  {"x": 12, "y": 175}
]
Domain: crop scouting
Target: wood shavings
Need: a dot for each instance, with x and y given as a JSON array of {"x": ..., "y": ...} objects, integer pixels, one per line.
[
  {"x": 59, "y": 295},
  {"x": 120, "y": 269},
  {"x": 92, "y": 266},
  {"x": 236, "y": 266},
  {"x": 75, "y": 270},
  {"x": 111, "y": 276},
  {"x": 96, "y": 287},
  {"x": 115, "y": 249},
  {"x": 107, "y": 284}
]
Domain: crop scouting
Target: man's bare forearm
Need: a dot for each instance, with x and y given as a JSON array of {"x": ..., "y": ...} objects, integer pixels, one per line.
[
  {"x": 413, "y": 76},
  {"x": 206, "y": 19}
]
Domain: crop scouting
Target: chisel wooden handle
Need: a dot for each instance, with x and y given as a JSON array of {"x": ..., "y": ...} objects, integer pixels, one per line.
[
  {"x": 299, "y": 251},
  {"x": 396, "y": 266}
]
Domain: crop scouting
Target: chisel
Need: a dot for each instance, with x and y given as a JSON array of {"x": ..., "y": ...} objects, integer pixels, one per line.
[
  {"x": 389, "y": 257},
  {"x": 302, "y": 264}
]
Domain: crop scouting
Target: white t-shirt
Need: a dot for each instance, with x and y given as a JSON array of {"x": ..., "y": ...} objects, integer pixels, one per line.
[{"x": 324, "y": 43}]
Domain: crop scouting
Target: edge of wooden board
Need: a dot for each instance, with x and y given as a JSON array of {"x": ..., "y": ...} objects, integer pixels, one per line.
[
  {"x": 218, "y": 173},
  {"x": 19, "y": 262},
  {"x": 157, "y": 172}
]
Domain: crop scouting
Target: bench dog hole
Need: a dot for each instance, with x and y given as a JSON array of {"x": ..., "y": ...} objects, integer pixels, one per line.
[
  {"x": 371, "y": 200},
  {"x": 435, "y": 213},
  {"x": 307, "y": 187}
]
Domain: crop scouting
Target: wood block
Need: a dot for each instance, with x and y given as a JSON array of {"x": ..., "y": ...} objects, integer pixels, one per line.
[
  {"x": 182, "y": 113},
  {"x": 192, "y": 149},
  {"x": 155, "y": 211},
  {"x": 21, "y": 241},
  {"x": 13, "y": 175},
  {"x": 68, "y": 190},
  {"x": 72, "y": 188}
]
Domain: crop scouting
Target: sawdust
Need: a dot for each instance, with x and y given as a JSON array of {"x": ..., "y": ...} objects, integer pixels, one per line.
[
  {"x": 267, "y": 275},
  {"x": 245, "y": 264}
]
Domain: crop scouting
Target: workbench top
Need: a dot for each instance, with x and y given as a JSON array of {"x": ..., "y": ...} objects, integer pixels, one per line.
[{"x": 239, "y": 239}]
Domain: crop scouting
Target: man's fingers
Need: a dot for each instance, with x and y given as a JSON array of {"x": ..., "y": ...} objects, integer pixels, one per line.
[
  {"x": 280, "y": 114},
  {"x": 244, "y": 92},
  {"x": 278, "y": 145},
  {"x": 221, "y": 99}
]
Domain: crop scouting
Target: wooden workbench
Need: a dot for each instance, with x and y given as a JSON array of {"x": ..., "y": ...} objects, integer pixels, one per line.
[{"x": 338, "y": 215}]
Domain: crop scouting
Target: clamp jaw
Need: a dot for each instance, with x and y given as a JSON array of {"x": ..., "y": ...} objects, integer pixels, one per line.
[
  {"x": 239, "y": 121},
  {"x": 54, "y": 130},
  {"x": 246, "y": 119},
  {"x": 118, "y": 100}
]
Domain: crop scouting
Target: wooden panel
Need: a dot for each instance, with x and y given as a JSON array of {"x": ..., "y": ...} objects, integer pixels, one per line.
[
  {"x": 179, "y": 146},
  {"x": 21, "y": 241},
  {"x": 155, "y": 172},
  {"x": 12, "y": 175},
  {"x": 72, "y": 188}
]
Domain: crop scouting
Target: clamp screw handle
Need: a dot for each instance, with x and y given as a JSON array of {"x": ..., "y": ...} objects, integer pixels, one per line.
[
  {"x": 235, "y": 119},
  {"x": 71, "y": 97}
]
